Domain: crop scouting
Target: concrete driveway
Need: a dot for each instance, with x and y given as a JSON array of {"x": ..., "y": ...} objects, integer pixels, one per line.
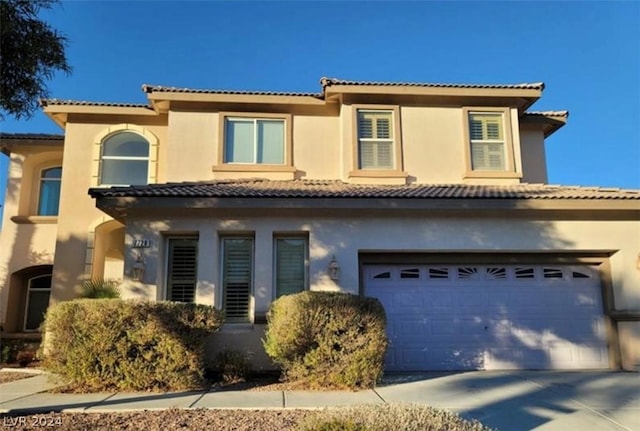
[
  {"x": 527, "y": 400},
  {"x": 505, "y": 400}
]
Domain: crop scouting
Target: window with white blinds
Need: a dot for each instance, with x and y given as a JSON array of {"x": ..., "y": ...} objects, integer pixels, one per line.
[
  {"x": 182, "y": 271},
  {"x": 375, "y": 139},
  {"x": 290, "y": 265},
  {"x": 237, "y": 278},
  {"x": 486, "y": 131}
]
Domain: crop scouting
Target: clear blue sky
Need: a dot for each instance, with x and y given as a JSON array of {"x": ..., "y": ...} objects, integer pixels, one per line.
[{"x": 587, "y": 53}]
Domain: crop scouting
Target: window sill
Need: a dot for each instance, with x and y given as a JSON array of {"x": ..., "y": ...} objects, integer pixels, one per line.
[
  {"x": 252, "y": 168},
  {"x": 363, "y": 176},
  {"x": 34, "y": 219},
  {"x": 492, "y": 174}
]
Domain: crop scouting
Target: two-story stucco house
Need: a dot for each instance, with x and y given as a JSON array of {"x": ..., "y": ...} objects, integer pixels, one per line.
[{"x": 431, "y": 197}]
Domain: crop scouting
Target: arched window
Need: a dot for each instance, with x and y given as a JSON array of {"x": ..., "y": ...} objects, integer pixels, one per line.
[
  {"x": 125, "y": 160},
  {"x": 49, "y": 197},
  {"x": 38, "y": 292}
]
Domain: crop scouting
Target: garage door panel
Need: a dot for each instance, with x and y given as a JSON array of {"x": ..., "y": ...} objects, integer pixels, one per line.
[
  {"x": 455, "y": 358},
  {"x": 492, "y": 317},
  {"x": 442, "y": 327}
]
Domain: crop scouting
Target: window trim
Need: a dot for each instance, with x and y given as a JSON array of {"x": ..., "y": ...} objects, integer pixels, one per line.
[
  {"x": 251, "y": 300},
  {"x": 121, "y": 158},
  {"x": 510, "y": 170},
  {"x": 286, "y": 166},
  {"x": 96, "y": 169},
  {"x": 41, "y": 179},
  {"x": 397, "y": 170},
  {"x": 284, "y": 236},
  {"x": 28, "y": 298}
]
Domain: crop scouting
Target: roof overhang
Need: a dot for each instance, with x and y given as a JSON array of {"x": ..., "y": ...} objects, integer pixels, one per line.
[
  {"x": 163, "y": 101},
  {"x": 550, "y": 121},
  {"x": 12, "y": 142},
  {"x": 59, "y": 111},
  {"x": 120, "y": 208}
]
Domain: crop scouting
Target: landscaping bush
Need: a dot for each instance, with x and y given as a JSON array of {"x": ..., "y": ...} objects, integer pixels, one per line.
[
  {"x": 17, "y": 351},
  {"x": 233, "y": 366},
  {"x": 111, "y": 344},
  {"x": 98, "y": 288},
  {"x": 327, "y": 339},
  {"x": 406, "y": 417}
]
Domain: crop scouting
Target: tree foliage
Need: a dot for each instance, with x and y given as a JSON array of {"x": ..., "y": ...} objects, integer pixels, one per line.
[{"x": 31, "y": 51}]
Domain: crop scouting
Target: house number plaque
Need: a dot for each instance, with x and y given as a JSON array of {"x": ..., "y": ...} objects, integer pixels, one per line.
[{"x": 141, "y": 243}]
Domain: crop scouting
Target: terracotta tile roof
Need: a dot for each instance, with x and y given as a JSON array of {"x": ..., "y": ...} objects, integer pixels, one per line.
[
  {"x": 326, "y": 82},
  {"x": 162, "y": 89},
  {"x": 259, "y": 188},
  {"x": 53, "y": 102},
  {"x": 32, "y": 136}
]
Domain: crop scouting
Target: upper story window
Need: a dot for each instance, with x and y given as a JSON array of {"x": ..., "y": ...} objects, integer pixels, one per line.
[
  {"x": 254, "y": 140},
  {"x": 375, "y": 139},
  {"x": 124, "y": 159},
  {"x": 377, "y": 145},
  {"x": 489, "y": 143},
  {"x": 49, "y": 196},
  {"x": 487, "y": 135}
]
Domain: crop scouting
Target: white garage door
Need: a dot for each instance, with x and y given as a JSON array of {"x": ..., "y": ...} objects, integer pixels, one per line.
[{"x": 490, "y": 317}]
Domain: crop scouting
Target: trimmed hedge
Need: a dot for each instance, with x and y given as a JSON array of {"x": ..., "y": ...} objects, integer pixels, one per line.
[
  {"x": 112, "y": 344},
  {"x": 327, "y": 339}
]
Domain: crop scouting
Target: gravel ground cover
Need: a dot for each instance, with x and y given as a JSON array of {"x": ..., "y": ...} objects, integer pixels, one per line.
[{"x": 200, "y": 419}]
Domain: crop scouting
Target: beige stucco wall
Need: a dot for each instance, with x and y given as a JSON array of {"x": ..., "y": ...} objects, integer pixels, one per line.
[
  {"x": 534, "y": 164},
  {"x": 344, "y": 237},
  {"x": 27, "y": 243},
  {"x": 191, "y": 145}
]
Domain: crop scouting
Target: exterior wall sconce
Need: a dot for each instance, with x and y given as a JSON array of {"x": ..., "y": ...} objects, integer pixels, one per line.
[
  {"x": 638, "y": 262},
  {"x": 138, "y": 268},
  {"x": 334, "y": 269}
]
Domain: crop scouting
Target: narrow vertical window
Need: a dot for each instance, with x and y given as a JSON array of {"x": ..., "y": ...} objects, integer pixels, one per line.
[
  {"x": 237, "y": 278},
  {"x": 182, "y": 271},
  {"x": 290, "y": 265},
  {"x": 375, "y": 140},
  {"x": 49, "y": 198},
  {"x": 486, "y": 131},
  {"x": 38, "y": 293}
]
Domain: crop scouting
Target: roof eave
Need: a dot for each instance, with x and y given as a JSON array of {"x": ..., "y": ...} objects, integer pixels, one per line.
[
  {"x": 161, "y": 100},
  {"x": 550, "y": 123}
]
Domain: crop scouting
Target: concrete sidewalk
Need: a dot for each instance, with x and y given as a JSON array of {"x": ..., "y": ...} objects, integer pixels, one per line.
[{"x": 508, "y": 400}]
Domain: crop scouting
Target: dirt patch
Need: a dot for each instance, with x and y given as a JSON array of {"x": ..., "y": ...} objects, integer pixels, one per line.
[{"x": 6, "y": 376}]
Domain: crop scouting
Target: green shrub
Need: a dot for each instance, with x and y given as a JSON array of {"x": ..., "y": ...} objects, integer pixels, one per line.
[
  {"x": 327, "y": 339},
  {"x": 98, "y": 288},
  {"x": 406, "y": 417},
  {"x": 233, "y": 365},
  {"x": 111, "y": 344}
]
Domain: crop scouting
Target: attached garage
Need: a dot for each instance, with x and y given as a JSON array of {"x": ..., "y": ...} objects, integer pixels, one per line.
[{"x": 488, "y": 317}]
